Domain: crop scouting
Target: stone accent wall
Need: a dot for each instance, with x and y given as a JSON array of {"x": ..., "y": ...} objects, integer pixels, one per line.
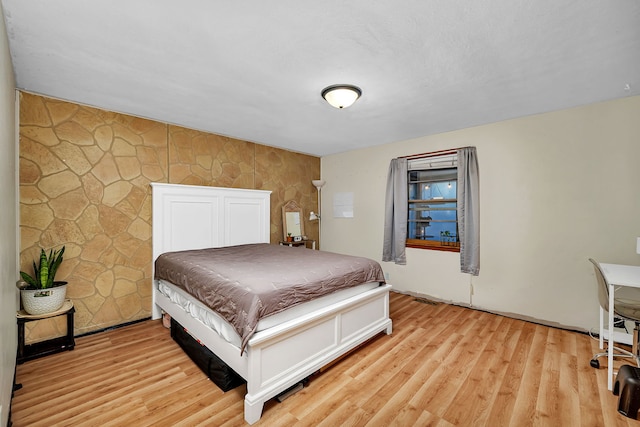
[
  {"x": 288, "y": 175},
  {"x": 200, "y": 158},
  {"x": 84, "y": 183}
]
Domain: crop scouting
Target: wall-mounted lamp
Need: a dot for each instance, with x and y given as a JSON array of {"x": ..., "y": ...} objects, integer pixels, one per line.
[{"x": 341, "y": 96}]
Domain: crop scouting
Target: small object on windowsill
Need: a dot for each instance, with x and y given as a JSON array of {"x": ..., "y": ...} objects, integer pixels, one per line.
[{"x": 448, "y": 239}]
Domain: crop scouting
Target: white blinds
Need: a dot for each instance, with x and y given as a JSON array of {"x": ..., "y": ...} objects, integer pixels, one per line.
[{"x": 434, "y": 162}]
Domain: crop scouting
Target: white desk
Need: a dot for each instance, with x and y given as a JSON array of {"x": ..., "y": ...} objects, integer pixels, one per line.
[{"x": 617, "y": 275}]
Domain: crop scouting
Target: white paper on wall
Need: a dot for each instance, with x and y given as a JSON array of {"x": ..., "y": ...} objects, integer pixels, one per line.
[{"x": 343, "y": 205}]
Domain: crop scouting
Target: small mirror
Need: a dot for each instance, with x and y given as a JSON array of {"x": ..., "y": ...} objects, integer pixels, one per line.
[{"x": 292, "y": 220}]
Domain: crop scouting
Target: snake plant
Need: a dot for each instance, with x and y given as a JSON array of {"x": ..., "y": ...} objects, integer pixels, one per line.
[{"x": 45, "y": 272}]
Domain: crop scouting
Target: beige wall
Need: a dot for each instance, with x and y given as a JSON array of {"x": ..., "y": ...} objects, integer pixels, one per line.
[
  {"x": 84, "y": 183},
  {"x": 555, "y": 189},
  {"x": 8, "y": 221}
]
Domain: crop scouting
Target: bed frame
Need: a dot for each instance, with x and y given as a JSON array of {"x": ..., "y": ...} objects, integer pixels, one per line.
[{"x": 195, "y": 217}]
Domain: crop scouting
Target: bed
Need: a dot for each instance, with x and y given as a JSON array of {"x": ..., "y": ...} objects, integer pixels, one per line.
[{"x": 287, "y": 345}]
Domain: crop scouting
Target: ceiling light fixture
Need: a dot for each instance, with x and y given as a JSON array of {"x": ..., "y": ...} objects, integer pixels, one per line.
[{"x": 341, "y": 96}]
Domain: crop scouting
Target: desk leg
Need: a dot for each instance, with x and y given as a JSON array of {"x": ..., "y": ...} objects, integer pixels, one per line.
[
  {"x": 610, "y": 349},
  {"x": 601, "y": 338}
]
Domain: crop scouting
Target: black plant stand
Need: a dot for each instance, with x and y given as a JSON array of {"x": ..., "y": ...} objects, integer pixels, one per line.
[{"x": 44, "y": 348}]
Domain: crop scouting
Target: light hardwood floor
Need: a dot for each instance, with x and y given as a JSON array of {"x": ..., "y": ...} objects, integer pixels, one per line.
[{"x": 443, "y": 366}]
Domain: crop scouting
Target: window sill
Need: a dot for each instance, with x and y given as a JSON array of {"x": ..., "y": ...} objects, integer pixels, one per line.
[{"x": 432, "y": 245}]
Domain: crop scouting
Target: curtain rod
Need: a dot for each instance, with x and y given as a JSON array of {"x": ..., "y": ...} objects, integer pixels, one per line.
[{"x": 431, "y": 154}]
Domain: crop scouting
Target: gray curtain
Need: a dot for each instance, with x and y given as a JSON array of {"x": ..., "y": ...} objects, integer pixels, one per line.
[
  {"x": 396, "y": 213},
  {"x": 468, "y": 211}
]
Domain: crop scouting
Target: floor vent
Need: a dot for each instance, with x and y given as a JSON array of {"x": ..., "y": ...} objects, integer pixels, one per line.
[{"x": 426, "y": 301}]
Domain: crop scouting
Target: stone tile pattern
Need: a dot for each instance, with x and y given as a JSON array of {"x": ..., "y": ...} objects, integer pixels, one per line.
[
  {"x": 288, "y": 175},
  {"x": 84, "y": 183}
]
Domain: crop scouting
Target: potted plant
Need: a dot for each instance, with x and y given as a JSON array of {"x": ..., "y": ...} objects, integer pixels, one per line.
[
  {"x": 41, "y": 293},
  {"x": 289, "y": 237}
]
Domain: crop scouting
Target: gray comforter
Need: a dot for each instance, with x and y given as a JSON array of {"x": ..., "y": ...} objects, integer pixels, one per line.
[{"x": 246, "y": 283}]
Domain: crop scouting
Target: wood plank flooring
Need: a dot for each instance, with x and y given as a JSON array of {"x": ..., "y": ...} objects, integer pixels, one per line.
[{"x": 443, "y": 366}]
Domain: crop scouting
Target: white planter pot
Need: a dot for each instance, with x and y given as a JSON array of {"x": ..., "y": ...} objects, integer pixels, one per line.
[{"x": 42, "y": 301}]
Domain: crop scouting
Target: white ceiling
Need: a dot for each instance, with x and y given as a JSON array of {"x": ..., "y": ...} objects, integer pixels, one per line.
[{"x": 254, "y": 69}]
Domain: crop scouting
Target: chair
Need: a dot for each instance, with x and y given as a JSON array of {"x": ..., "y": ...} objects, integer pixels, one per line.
[{"x": 623, "y": 309}]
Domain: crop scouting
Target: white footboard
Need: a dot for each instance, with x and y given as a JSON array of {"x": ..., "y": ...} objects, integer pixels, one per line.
[{"x": 279, "y": 357}]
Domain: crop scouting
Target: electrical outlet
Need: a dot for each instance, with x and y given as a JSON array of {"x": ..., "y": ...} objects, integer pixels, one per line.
[{"x": 387, "y": 276}]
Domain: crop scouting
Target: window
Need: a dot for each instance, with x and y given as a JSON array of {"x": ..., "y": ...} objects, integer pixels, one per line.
[{"x": 432, "y": 212}]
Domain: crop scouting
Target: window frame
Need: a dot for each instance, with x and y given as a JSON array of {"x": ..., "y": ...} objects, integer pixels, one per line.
[{"x": 441, "y": 161}]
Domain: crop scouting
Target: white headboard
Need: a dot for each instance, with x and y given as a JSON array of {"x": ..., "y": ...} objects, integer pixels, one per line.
[{"x": 196, "y": 217}]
